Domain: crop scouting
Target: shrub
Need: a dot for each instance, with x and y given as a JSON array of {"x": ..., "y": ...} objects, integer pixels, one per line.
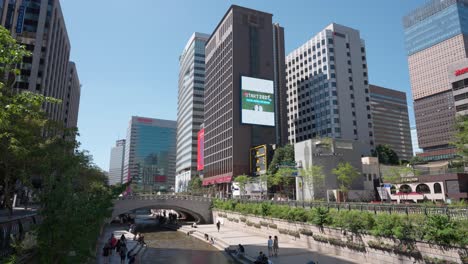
[
  {"x": 297, "y": 214},
  {"x": 439, "y": 229},
  {"x": 429, "y": 260},
  {"x": 266, "y": 209},
  {"x": 263, "y": 223},
  {"x": 283, "y": 231},
  {"x": 243, "y": 219},
  {"x": 320, "y": 216},
  {"x": 385, "y": 223},
  {"x": 356, "y": 246},
  {"x": 293, "y": 233},
  {"x": 271, "y": 225},
  {"x": 320, "y": 238},
  {"x": 249, "y": 223},
  {"x": 257, "y": 225},
  {"x": 380, "y": 245},
  {"x": 337, "y": 242},
  {"x": 305, "y": 232}
]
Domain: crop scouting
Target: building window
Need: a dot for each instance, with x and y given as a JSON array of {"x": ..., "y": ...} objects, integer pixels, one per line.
[
  {"x": 437, "y": 188},
  {"x": 422, "y": 188}
]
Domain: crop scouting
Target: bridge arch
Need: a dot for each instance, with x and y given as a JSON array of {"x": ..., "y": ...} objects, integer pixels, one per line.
[{"x": 198, "y": 207}]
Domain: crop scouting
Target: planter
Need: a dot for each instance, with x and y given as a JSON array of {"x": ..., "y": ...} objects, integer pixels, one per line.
[
  {"x": 274, "y": 226},
  {"x": 263, "y": 223},
  {"x": 283, "y": 231},
  {"x": 305, "y": 232},
  {"x": 320, "y": 238}
]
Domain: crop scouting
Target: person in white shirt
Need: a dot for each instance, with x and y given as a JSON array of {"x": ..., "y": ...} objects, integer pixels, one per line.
[{"x": 270, "y": 246}]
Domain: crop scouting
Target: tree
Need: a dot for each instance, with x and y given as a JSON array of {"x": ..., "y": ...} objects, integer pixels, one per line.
[
  {"x": 415, "y": 160},
  {"x": 386, "y": 155},
  {"x": 346, "y": 174},
  {"x": 282, "y": 180},
  {"x": 461, "y": 136},
  {"x": 195, "y": 185},
  {"x": 242, "y": 180},
  {"x": 282, "y": 155},
  {"x": 314, "y": 179}
]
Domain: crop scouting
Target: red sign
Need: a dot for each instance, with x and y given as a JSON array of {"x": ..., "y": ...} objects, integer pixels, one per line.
[
  {"x": 461, "y": 71},
  {"x": 145, "y": 120},
  {"x": 201, "y": 149},
  {"x": 160, "y": 178},
  {"x": 217, "y": 179}
]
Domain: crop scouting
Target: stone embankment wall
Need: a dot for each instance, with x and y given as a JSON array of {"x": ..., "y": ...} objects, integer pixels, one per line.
[{"x": 360, "y": 247}]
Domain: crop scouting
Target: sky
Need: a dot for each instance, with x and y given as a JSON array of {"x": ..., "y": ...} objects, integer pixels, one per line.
[{"x": 127, "y": 52}]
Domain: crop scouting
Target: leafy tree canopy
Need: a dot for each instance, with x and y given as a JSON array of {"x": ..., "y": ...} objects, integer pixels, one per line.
[
  {"x": 386, "y": 155},
  {"x": 283, "y": 155}
]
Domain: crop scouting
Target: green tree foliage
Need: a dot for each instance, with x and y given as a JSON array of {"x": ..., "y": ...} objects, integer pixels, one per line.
[
  {"x": 346, "y": 174},
  {"x": 282, "y": 180},
  {"x": 73, "y": 196},
  {"x": 283, "y": 155},
  {"x": 242, "y": 180},
  {"x": 439, "y": 229},
  {"x": 386, "y": 155},
  {"x": 195, "y": 185},
  {"x": 314, "y": 178}
]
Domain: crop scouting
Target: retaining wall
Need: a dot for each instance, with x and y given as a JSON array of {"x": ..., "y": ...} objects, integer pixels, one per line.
[{"x": 365, "y": 255}]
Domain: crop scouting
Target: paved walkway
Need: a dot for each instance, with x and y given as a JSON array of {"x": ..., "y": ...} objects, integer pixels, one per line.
[
  {"x": 254, "y": 243},
  {"x": 117, "y": 231}
]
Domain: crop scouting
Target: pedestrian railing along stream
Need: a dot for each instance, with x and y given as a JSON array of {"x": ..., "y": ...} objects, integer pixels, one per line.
[{"x": 166, "y": 197}]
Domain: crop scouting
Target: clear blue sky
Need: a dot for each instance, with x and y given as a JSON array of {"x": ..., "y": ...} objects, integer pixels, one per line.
[{"x": 127, "y": 51}]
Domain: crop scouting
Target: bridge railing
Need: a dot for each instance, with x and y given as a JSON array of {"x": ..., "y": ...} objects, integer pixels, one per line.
[{"x": 166, "y": 197}]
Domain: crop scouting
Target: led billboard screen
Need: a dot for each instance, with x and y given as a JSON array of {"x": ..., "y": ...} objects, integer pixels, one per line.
[
  {"x": 258, "y": 103},
  {"x": 201, "y": 148}
]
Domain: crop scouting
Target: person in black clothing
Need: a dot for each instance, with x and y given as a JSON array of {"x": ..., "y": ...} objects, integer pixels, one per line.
[
  {"x": 218, "y": 225},
  {"x": 241, "y": 250}
]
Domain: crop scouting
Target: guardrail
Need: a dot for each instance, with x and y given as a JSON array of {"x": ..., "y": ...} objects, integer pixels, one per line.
[
  {"x": 453, "y": 212},
  {"x": 166, "y": 197},
  {"x": 15, "y": 230}
]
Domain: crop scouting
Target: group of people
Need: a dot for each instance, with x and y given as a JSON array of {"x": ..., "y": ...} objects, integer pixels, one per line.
[
  {"x": 120, "y": 247},
  {"x": 273, "y": 246},
  {"x": 262, "y": 259},
  {"x": 140, "y": 238}
]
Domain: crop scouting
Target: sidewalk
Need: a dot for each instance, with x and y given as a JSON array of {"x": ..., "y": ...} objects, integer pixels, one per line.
[
  {"x": 118, "y": 231},
  {"x": 254, "y": 243}
]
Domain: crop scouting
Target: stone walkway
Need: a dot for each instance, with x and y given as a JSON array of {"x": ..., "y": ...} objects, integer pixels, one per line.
[
  {"x": 117, "y": 231},
  {"x": 254, "y": 243}
]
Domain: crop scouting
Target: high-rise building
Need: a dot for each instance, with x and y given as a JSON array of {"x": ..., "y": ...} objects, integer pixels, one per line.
[
  {"x": 327, "y": 86},
  {"x": 389, "y": 112},
  {"x": 436, "y": 35},
  {"x": 190, "y": 107},
  {"x": 40, "y": 26},
  {"x": 116, "y": 163},
  {"x": 150, "y": 150},
  {"x": 239, "y": 93},
  {"x": 281, "y": 107}
]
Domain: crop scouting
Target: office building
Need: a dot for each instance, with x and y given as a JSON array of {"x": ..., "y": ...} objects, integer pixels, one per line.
[
  {"x": 150, "y": 150},
  {"x": 40, "y": 26},
  {"x": 414, "y": 141},
  {"x": 390, "y": 119},
  {"x": 116, "y": 162},
  {"x": 279, "y": 68},
  {"x": 239, "y": 93},
  {"x": 435, "y": 37},
  {"x": 327, "y": 86},
  {"x": 190, "y": 107},
  {"x": 329, "y": 154}
]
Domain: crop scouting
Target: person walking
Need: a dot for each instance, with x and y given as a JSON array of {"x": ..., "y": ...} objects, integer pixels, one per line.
[
  {"x": 113, "y": 243},
  {"x": 123, "y": 253},
  {"x": 218, "y": 225},
  {"x": 106, "y": 252},
  {"x": 275, "y": 246},
  {"x": 270, "y": 247}
]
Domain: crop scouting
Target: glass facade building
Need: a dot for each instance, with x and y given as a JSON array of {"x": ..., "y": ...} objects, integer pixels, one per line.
[
  {"x": 434, "y": 23},
  {"x": 150, "y": 154},
  {"x": 436, "y": 36}
]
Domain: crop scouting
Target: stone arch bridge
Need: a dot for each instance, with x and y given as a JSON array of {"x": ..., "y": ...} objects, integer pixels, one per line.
[{"x": 196, "y": 206}]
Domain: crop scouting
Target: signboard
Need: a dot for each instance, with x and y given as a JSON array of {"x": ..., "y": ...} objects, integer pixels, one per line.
[
  {"x": 200, "y": 150},
  {"x": 160, "y": 178},
  {"x": 461, "y": 71},
  {"x": 145, "y": 120},
  {"x": 258, "y": 102}
]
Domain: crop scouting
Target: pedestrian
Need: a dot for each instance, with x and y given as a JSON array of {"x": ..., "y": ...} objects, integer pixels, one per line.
[
  {"x": 270, "y": 247},
  {"x": 131, "y": 257},
  {"x": 122, "y": 237},
  {"x": 141, "y": 240},
  {"x": 275, "y": 246},
  {"x": 206, "y": 237},
  {"x": 259, "y": 259},
  {"x": 218, "y": 225},
  {"x": 123, "y": 253},
  {"x": 106, "y": 252},
  {"x": 241, "y": 251},
  {"x": 113, "y": 243},
  {"x": 212, "y": 241},
  {"x": 118, "y": 246}
]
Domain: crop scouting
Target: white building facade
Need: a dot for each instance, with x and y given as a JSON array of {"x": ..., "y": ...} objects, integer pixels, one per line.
[
  {"x": 328, "y": 89},
  {"x": 190, "y": 107},
  {"x": 116, "y": 162}
]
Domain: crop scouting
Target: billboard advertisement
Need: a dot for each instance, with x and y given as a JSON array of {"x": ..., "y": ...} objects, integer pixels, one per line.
[
  {"x": 200, "y": 149},
  {"x": 258, "y": 102}
]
